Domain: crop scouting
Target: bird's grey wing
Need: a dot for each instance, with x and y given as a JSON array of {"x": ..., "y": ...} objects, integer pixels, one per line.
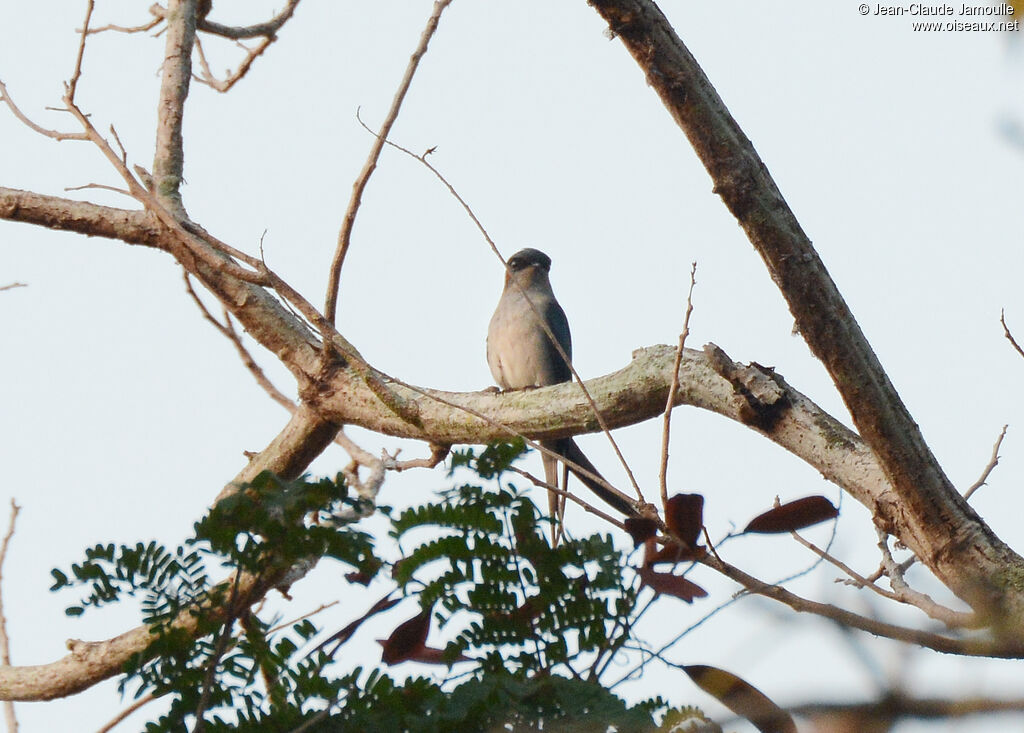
[{"x": 555, "y": 367}]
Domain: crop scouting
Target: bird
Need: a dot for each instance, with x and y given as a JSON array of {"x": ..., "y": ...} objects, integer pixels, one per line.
[{"x": 522, "y": 355}]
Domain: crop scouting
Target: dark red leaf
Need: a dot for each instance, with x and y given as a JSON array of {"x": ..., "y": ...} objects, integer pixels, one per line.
[
  {"x": 742, "y": 698},
  {"x": 684, "y": 517},
  {"x": 793, "y": 516},
  {"x": 671, "y": 585},
  {"x": 358, "y": 577},
  {"x": 408, "y": 639},
  {"x": 671, "y": 553},
  {"x": 641, "y": 528}
]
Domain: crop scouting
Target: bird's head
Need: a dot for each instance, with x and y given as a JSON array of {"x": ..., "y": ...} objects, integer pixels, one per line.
[{"x": 528, "y": 266}]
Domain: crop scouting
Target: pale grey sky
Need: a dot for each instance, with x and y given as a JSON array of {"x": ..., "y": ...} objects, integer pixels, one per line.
[{"x": 123, "y": 412}]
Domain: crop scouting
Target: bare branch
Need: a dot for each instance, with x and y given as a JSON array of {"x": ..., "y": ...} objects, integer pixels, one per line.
[
  {"x": 967, "y": 646},
  {"x": 1002, "y": 320},
  {"x": 169, "y": 158},
  {"x": 5, "y": 640},
  {"x": 366, "y": 488},
  {"x": 992, "y": 463},
  {"x": 905, "y": 594},
  {"x": 77, "y": 73},
  {"x": 587, "y": 506},
  {"x": 54, "y": 134},
  {"x": 855, "y": 579},
  {"x": 674, "y": 389},
  {"x": 935, "y": 520},
  {"x": 131, "y": 29},
  {"x": 99, "y": 187},
  {"x": 120, "y": 717},
  {"x": 901, "y": 592},
  {"x": 345, "y": 235},
  {"x": 227, "y": 330},
  {"x": 268, "y": 28},
  {"x": 12, "y": 286},
  {"x": 437, "y": 454},
  {"x": 225, "y": 85}
]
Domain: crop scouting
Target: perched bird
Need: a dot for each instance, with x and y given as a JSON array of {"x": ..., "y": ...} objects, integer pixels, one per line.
[{"x": 521, "y": 354}]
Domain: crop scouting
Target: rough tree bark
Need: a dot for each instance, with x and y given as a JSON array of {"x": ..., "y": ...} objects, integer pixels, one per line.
[{"x": 924, "y": 510}]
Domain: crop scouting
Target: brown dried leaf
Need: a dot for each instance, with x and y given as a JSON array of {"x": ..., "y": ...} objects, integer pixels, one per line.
[
  {"x": 742, "y": 698},
  {"x": 793, "y": 516},
  {"x": 672, "y": 553},
  {"x": 671, "y": 585},
  {"x": 358, "y": 577},
  {"x": 641, "y": 528},
  {"x": 407, "y": 640},
  {"x": 684, "y": 517}
]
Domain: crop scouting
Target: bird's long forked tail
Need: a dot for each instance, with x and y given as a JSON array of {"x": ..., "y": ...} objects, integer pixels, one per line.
[{"x": 567, "y": 449}]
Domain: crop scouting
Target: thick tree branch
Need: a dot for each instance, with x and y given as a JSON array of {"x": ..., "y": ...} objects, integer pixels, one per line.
[
  {"x": 169, "y": 158},
  {"x": 707, "y": 380},
  {"x": 81, "y": 217},
  {"x": 931, "y": 517},
  {"x": 262, "y": 315}
]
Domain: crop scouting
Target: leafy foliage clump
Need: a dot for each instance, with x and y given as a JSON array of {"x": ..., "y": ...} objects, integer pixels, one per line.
[
  {"x": 234, "y": 661},
  {"x": 535, "y": 625}
]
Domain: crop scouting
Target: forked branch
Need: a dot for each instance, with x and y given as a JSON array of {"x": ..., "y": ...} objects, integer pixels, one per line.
[{"x": 934, "y": 520}]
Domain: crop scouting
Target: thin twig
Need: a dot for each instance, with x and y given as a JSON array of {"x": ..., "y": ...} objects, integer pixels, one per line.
[
  {"x": 367, "y": 488},
  {"x": 251, "y": 54},
  {"x": 267, "y": 28},
  {"x": 77, "y": 73},
  {"x": 5, "y": 644},
  {"x": 1009, "y": 336},
  {"x": 285, "y": 624},
  {"x": 992, "y": 463},
  {"x": 437, "y": 454},
  {"x": 345, "y": 235},
  {"x": 674, "y": 389},
  {"x": 564, "y": 493},
  {"x": 99, "y": 186},
  {"x": 120, "y": 146},
  {"x": 186, "y": 232},
  {"x": 120, "y": 717},
  {"x": 12, "y": 286},
  {"x": 54, "y": 134},
  {"x": 905, "y": 594},
  {"x": 227, "y": 330},
  {"x": 155, "y": 10},
  {"x": 970, "y": 646},
  {"x": 857, "y": 580}
]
